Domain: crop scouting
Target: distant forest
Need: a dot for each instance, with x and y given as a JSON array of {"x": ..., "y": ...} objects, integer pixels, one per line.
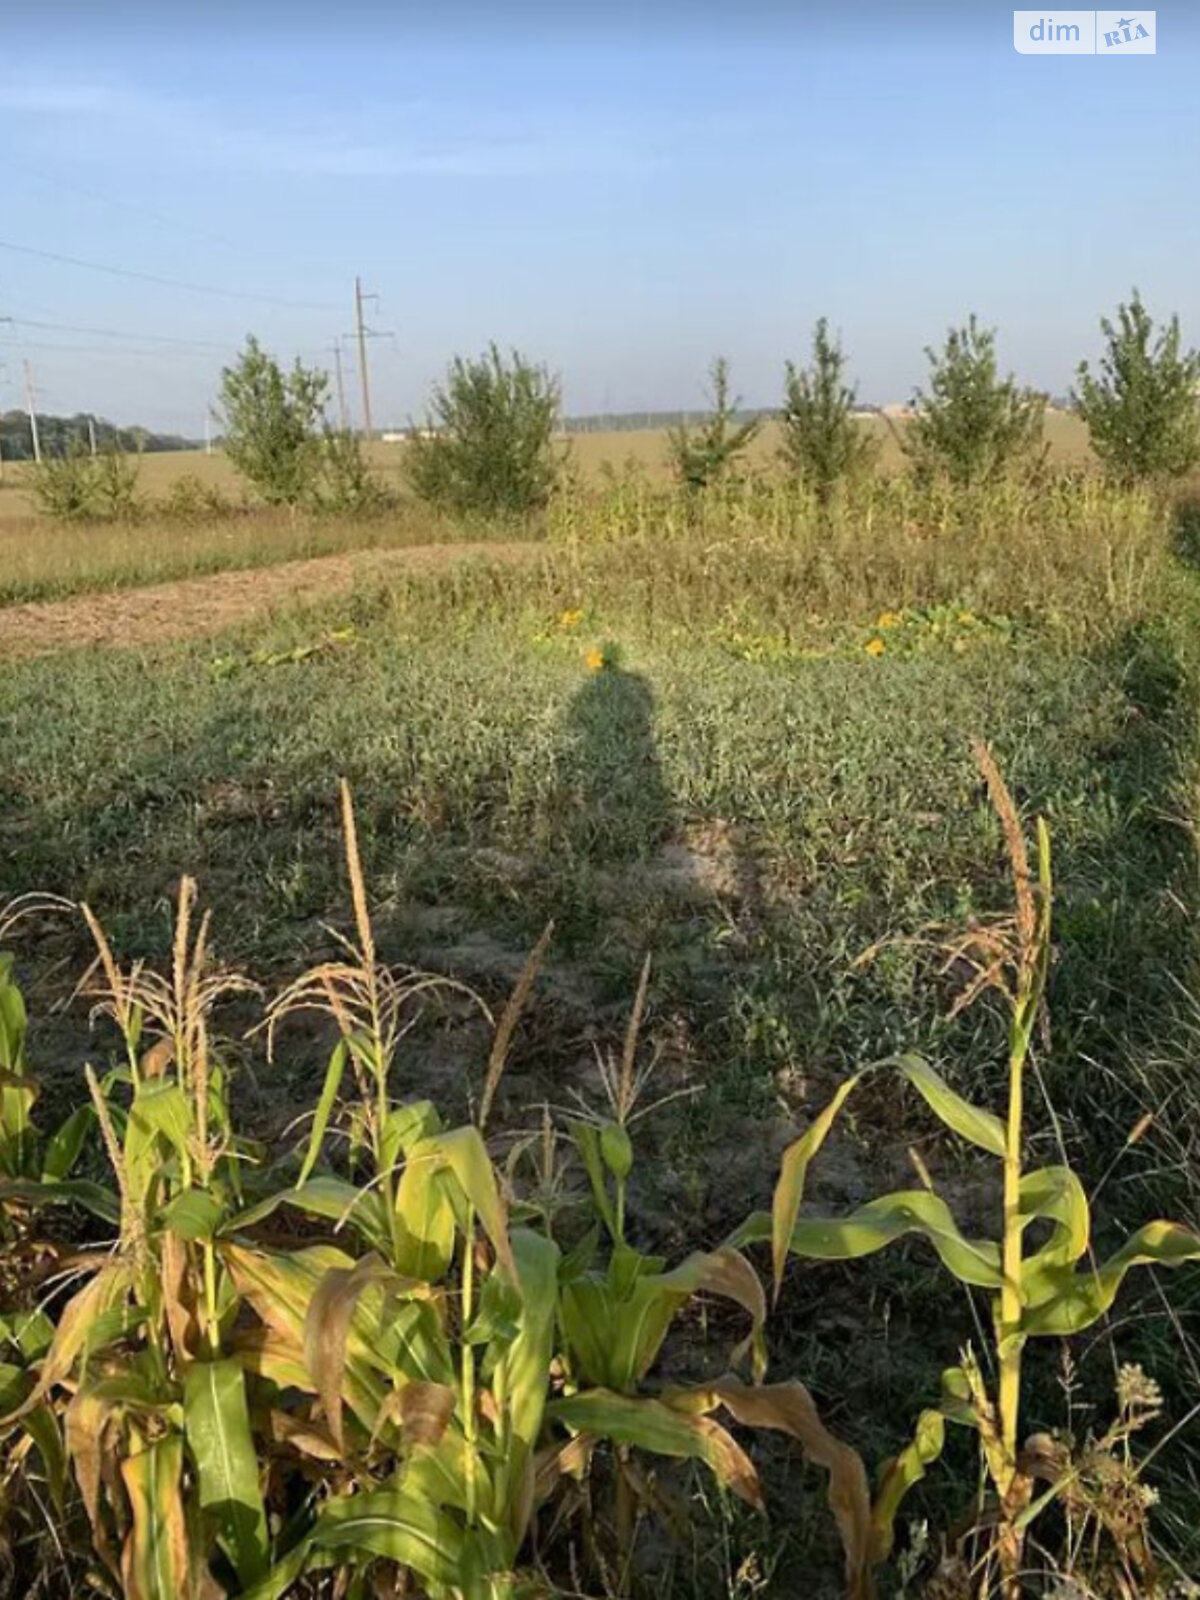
[{"x": 58, "y": 435}]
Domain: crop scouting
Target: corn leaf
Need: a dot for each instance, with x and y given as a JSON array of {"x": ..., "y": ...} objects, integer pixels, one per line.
[
  {"x": 217, "y": 1424},
  {"x": 325, "y": 1107},
  {"x": 880, "y": 1222},
  {"x": 1080, "y": 1297},
  {"x": 522, "y": 1369},
  {"x": 789, "y": 1188},
  {"x": 978, "y": 1127},
  {"x": 331, "y": 1198},
  {"x": 464, "y": 1153},
  {"x": 93, "y": 1197},
  {"x": 789, "y": 1408},
  {"x": 398, "y": 1526},
  {"x": 65, "y": 1148},
  {"x": 663, "y": 1431},
  {"x": 426, "y": 1217},
  {"x": 1055, "y": 1195},
  {"x": 154, "y": 1561},
  {"x": 898, "y": 1477}
]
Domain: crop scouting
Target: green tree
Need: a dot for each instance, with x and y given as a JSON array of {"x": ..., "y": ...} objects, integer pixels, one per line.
[
  {"x": 489, "y": 443},
  {"x": 973, "y": 426},
  {"x": 823, "y": 445},
  {"x": 272, "y": 424},
  {"x": 1143, "y": 411},
  {"x": 707, "y": 453}
]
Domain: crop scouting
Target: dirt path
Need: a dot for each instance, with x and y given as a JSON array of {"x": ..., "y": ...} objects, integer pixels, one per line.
[{"x": 190, "y": 607}]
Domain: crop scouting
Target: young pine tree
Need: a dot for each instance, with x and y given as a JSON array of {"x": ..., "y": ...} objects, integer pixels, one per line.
[
  {"x": 823, "y": 445},
  {"x": 1143, "y": 411},
  {"x": 272, "y": 424},
  {"x": 972, "y": 426},
  {"x": 490, "y": 444},
  {"x": 707, "y": 453}
]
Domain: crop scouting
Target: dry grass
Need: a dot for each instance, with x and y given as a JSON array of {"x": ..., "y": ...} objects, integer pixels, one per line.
[{"x": 646, "y": 448}]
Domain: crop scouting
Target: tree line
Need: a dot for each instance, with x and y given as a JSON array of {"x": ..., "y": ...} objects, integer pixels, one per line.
[{"x": 489, "y": 442}]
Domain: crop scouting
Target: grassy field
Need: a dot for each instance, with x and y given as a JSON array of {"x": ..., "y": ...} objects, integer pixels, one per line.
[
  {"x": 738, "y": 743},
  {"x": 592, "y": 452}
]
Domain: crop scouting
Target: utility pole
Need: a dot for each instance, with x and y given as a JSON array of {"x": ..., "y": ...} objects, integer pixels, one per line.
[
  {"x": 31, "y": 402},
  {"x": 363, "y": 333},
  {"x": 341, "y": 385},
  {"x": 92, "y": 434}
]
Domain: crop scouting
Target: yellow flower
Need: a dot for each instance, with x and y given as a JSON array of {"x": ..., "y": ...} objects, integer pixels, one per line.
[
  {"x": 966, "y": 617},
  {"x": 887, "y": 619},
  {"x": 594, "y": 660},
  {"x": 876, "y": 647},
  {"x": 570, "y": 619}
]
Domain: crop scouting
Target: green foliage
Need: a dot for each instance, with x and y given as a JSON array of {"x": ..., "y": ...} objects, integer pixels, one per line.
[
  {"x": 708, "y": 453},
  {"x": 348, "y": 486},
  {"x": 1143, "y": 410},
  {"x": 62, "y": 486},
  {"x": 823, "y": 445},
  {"x": 972, "y": 426},
  {"x": 1054, "y": 1287},
  {"x": 488, "y": 446},
  {"x": 272, "y": 424},
  {"x": 80, "y": 487}
]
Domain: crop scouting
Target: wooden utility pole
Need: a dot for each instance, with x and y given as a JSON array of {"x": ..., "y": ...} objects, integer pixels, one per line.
[
  {"x": 361, "y": 331},
  {"x": 341, "y": 384},
  {"x": 31, "y": 402},
  {"x": 92, "y": 434}
]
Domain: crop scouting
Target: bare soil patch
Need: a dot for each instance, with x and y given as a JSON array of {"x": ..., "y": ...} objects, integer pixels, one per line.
[{"x": 191, "y": 607}]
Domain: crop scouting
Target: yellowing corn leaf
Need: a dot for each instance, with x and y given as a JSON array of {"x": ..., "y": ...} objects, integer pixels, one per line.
[
  {"x": 979, "y": 1127},
  {"x": 881, "y": 1222},
  {"x": 790, "y": 1409},
  {"x": 217, "y": 1423},
  {"x": 327, "y": 1329},
  {"x": 898, "y": 1476},
  {"x": 663, "y": 1431},
  {"x": 154, "y": 1561},
  {"x": 789, "y": 1187},
  {"x": 1077, "y": 1298},
  {"x": 426, "y": 1217},
  {"x": 76, "y": 1326}
]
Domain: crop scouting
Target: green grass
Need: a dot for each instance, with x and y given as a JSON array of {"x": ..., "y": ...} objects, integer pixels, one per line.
[{"x": 747, "y": 793}]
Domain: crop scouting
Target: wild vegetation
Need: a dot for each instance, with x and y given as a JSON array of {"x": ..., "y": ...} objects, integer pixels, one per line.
[{"x": 619, "y": 1256}]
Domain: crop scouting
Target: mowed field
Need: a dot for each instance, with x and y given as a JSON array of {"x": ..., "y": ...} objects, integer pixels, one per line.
[{"x": 733, "y": 738}]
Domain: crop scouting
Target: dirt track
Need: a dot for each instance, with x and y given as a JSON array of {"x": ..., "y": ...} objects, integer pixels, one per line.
[{"x": 190, "y": 607}]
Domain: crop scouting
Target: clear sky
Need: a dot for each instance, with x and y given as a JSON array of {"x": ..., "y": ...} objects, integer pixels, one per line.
[{"x": 619, "y": 191}]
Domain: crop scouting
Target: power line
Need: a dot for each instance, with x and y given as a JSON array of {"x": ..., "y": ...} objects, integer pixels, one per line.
[
  {"x": 166, "y": 283},
  {"x": 132, "y": 206},
  {"x": 114, "y": 333}
]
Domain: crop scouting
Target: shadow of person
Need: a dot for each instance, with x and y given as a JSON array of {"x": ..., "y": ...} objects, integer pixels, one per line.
[{"x": 614, "y": 803}]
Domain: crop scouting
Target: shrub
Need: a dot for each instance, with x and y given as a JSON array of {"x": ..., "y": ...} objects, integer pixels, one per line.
[
  {"x": 347, "y": 482},
  {"x": 114, "y": 485},
  {"x": 488, "y": 446},
  {"x": 823, "y": 445},
  {"x": 62, "y": 485},
  {"x": 706, "y": 454},
  {"x": 1143, "y": 411},
  {"x": 190, "y": 500},
  {"x": 972, "y": 426},
  {"x": 272, "y": 423},
  {"x": 79, "y": 487}
]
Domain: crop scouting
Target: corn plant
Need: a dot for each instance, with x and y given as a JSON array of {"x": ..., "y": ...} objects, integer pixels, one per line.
[
  {"x": 153, "y": 1408},
  {"x": 1055, "y": 1290}
]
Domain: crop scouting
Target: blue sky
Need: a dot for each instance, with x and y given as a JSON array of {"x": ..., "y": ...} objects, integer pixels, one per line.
[{"x": 621, "y": 198}]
